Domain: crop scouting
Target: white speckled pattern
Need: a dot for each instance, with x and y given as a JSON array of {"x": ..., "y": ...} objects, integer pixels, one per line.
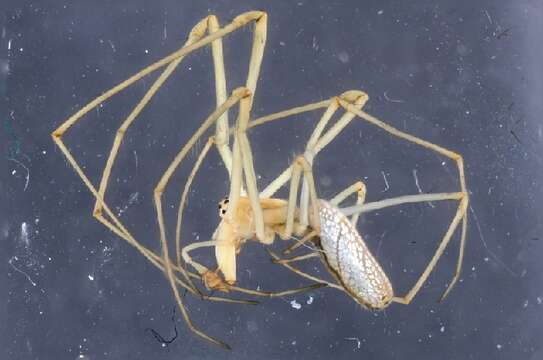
[{"x": 350, "y": 258}]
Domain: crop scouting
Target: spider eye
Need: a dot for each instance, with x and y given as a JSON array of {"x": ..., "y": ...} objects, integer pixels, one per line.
[{"x": 223, "y": 206}]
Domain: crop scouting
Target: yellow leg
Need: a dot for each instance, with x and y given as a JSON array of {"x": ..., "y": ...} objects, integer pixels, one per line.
[{"x": 464, "y": 199}]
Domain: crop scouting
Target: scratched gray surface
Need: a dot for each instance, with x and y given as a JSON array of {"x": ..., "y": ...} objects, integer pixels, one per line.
[{"x": 463, "y": 75}]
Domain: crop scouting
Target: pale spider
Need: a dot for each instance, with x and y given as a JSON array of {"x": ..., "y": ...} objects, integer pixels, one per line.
[{"x": 250, "y": 214}]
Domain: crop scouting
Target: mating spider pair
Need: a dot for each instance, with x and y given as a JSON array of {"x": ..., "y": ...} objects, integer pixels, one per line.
[{"x": 248, "y": 213}]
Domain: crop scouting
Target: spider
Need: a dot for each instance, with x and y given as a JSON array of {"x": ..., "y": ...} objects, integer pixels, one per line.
[{"x": 248, "y": 213}]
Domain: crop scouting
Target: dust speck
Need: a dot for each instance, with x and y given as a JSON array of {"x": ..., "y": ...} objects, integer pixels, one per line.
[
  {"x": 295, "y": 305},
  {"x": 343, "y": 56},
  {"x": 252, "y": 326}
]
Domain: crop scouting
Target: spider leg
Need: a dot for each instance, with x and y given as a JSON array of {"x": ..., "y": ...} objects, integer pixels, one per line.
[
  {"x": 297, "y": 258},
  {"x": 195, "y": 41},
  {"x": 295, "y": 270},
  {"x": 297, "y": 243},
  {"x": 301, "y": 164},
  {"x": 273, "y": 294},
  {"x": 237, "y": 95},
  {"x": 201, "y": 269},
  {"x": 242, "y": 164},
  {"x": 316, "y": 142},
  {"x": 184, "y": 196},
  {"x": 461, "y": 212},
  {"x": 419, "y": 198},
  {"x": 243, "y": 148},
  {"x": 257, "y": 53},
  {"x": 360, "y": 188}
]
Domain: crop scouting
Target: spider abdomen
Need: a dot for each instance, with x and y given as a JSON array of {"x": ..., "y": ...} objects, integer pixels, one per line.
[{"x": 351, "y": 260}]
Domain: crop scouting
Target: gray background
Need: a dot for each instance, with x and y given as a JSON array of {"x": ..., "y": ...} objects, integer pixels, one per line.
[{"x": 466, "y": 75}]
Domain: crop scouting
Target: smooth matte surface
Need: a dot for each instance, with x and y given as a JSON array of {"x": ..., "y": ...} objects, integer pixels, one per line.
[{"x": 464, "y": 75}]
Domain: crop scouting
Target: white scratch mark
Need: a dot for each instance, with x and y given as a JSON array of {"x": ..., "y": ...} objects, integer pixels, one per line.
[
  {"x": 386, "y": 182},
  {"x": 488, "y": 17},
  {"x": 481, "y": 236},
  {"x": 24, "y": 167},
  {"x": 24, "y": 234},
  {"x": 91, "y": 277},
  {"x": 131, "y": 200},
  {"x": 315, "y": 45},
  {"x": 309, "y": 300},
  {"x": 419, "y": 188},
  {"x": 112, "y": 45},
  {"x": 10, "y": 261},
  {"x": 354, "y": 339},
  {"x": 164, "y": 29},
  {"x": 9, "y": 44},
  {"x": 136, "y": 158},
  {"x": 392, "y": 100}
]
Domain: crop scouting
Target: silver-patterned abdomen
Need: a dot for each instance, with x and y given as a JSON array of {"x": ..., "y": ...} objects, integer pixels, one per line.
[{"x": 350, "y": 258}]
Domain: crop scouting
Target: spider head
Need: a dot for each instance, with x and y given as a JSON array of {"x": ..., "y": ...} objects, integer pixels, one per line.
[{"x": 223, "y": 206}]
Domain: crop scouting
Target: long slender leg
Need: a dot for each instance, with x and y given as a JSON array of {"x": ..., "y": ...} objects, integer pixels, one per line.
[
  {"x": 220, "y": 85},
  {"x": 301, "y": 242},
  {"x": 273, "y": 294},
  {"x": 315, "y": 143},
  {"x": 303, "y": 274},
  {"x": 184, "y": 195},
  {"x": 412, "y": 199},
  {"x": 301, "y": 164},
  {"x": 462, "y": 213},
  {"x": 237, "y": 23},
  {"x": 203, "y": 271},
  {"x": 196, "y": 34},
  {"x": 159, "y": 189},
  {"x": 192, "y": 45},
  {"x": 248, "y": 168},
  {"x": 225, "y": 249},
  {"x": 357, "y": 187},
  {"x": 221, "y": 131},
  {"x": 297, "y": 258},
  {"x": 257, "y": 52}
]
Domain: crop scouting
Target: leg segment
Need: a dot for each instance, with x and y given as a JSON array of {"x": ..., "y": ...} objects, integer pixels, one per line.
[
  {"x": 301, "y": 164},
  {"x": 301, "y": 242},
  {"x": 297, "y": 258},
  {"x": 357, "y": 187},
  {"x": 360, "y": 188},
  {"x": 303, "y": 274}
]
